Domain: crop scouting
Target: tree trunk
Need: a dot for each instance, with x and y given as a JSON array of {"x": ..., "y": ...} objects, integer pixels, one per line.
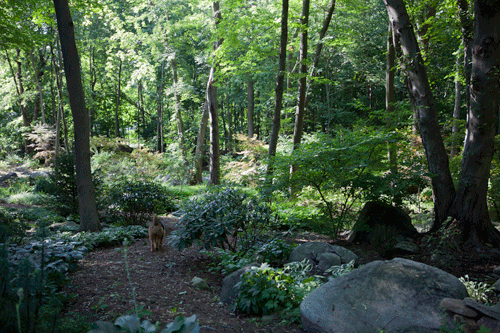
[
  {"x": 89, "y": 220},
  {"x": 60, "y": 92},
  {"x": 229, "y": 125},
  {"x": 59, "y": 106},
  {"x": 118, "y": 91},
  {"x": 140, "y": 110},
  {"x": 200, "y": 143},
  {"x": 299, "y": 114},
  {"x": 437, "y": 158},
  {"x": 211, "y": 99},
  {"x": 39, "y": 86},
  {"x": 389, "y": 96},
  {"x": 456, "y": 108},
  {"x": 466, "y": 23},
  {"x": 470, "y": 207},
  {"x": 319, "y": 47},
  {"x": 178, "y": 114},
  {"x": 159, "y": 110},
  {"x": 24, "y": 112},
  {"x": 214, "y": 178},
  {"x": 251, "y": 104},
  {"x": 280, "y": 81}
]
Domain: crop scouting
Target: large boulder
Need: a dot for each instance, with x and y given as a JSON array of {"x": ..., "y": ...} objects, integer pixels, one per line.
[
  {"x": 384, "y": 227},
  {"x": 399, "y": 295},
  {"x": 229, "y": 291},
  {"x": 322, "y": 255}
]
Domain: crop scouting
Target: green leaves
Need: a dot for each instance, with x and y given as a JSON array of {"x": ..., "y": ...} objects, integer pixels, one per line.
[{"x": 224, "y": 218}]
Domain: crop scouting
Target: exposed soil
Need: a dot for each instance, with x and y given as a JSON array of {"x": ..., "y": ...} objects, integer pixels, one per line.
[{"x": 162, "y": 282}]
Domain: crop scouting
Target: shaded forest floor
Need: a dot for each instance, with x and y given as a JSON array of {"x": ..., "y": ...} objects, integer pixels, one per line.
[{"x": 162, "y": 282}]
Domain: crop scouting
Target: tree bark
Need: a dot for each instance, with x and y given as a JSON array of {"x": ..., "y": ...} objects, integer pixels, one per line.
[
  {"x": 280, "y": 82},
  {"x": 39, "y": 86},
  {"x": 470, "y": 205},
  {"x": 437, "y": 158},
  {"x": 456, "y": 108},
  {"x": 117, "y": 107},
  {"x": 211, "y": 99},
  {"x": 89, "y": 220},
  {"x": 200, "y": 143},
  {"x": 159, "y": 110},
  {"x": 251, "y": 104},
  {"x": 389, "y": 96},
  {"x": 24, "y": 112},
  {"x": 60, "y": 93},
  {"x": 214, "y": 178},
  {"x": 299, "y": 114},
  {"x": 178, "y": 114}
]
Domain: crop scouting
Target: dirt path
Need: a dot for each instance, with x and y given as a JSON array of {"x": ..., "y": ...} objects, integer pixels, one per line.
[{"x": 162, "y": 282}]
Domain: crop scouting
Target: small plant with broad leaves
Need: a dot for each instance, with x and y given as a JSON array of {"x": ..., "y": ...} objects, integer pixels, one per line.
[
  {"x": 479, "y": 291},
  {"x": 132, "y": 324},
  {"x": 265, "y": 290},
  {"x": 336, "y": 271}
]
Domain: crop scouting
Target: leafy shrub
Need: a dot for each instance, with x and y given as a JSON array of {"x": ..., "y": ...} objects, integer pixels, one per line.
[
  {"x": 27, "y": 292},
  {"x": 10, "y": 226},
  {"x": 61, "y": 185},
  {"x": 227, "y": 261},
  {"x": 265, "y": 290},
  {"x": 224, "y": 218},
  {"x": 135, "y": 200},
  {"x": 275, "y": 251}
]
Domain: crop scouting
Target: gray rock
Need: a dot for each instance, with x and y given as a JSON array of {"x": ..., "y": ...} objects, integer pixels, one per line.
[
  {"x": 490, "y": 311},
  {"x": 406, "y": 245},
  {"x": 397, "y": 296},
  {"x": 458, "y": 306},
  {"x": 200, "y": 283},
  {"x": 380, "y": 223},
  {"x": 321, "y": 252},
  {"x": 327, "y": 260},
  {"x": 101, "y": 326},
  {"x": 8, "y": 176},
  {"x": 489, "y": 323},
  {"x": 229, "y": 292},
  {"x": 496, "y": 286}
]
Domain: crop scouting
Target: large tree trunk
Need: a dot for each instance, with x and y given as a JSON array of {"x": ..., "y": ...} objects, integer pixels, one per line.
[
  {"x": 214, "y": 177},
  {"x": 299, "y": 114},
  {"x": 89, "y": 220},
  {"x": 280, "y": 81},
  {"x": 211, "y": 99},
  {"x": 470, "y": 207},
  {"x": 60, "y": 94},
  {"x": 251, "y": 104},
  {"x": 200, "y": 143},
  {"x": 437, "y": 158},
  {"x": 456, "y": 108},
  {"x": 390, "y": 95}
]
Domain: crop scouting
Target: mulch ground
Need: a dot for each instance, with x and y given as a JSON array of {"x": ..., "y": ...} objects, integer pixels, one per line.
[{"x": 162, "y": 282}]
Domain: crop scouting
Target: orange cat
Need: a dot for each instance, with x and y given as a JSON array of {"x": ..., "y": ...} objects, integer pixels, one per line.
[{"x": 156, "y": 234}]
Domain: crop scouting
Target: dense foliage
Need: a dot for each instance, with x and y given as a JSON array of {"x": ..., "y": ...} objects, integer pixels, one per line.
[{"x": 224, "y": 217}]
